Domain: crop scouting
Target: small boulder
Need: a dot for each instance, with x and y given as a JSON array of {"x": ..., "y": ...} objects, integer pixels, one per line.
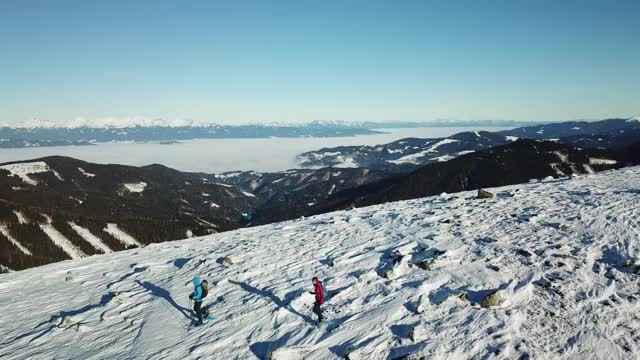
[
  {"x": 523, "y": 252},
  {"x": 463, "y": 296},
  {"x": 387, "y": 274},
  {"x": 421, "y": 305},
  {"x": 426, "y": 265},
  {"x": 628, "y": 263},
  {"x": 484, "y": 194},
  {"x": 493, "y": 299},
  {"x": 226, "y": 261}
]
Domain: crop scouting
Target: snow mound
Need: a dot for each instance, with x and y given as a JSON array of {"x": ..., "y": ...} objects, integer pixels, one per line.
[{"x": 404, "y": 278}]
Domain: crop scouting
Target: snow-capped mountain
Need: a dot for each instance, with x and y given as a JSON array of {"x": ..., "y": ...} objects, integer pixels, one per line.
[
  {"x": 403, "y": 154},
  {"x": 58, "y": 208},
  {"x": 406, "y": 154},
  {"x": 541, "y": 271},
  {"x": 11, "y": 137}
]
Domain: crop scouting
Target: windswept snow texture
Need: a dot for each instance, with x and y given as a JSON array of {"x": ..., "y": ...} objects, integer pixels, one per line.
[
  {"x": 561, "y": 252},
  {"x": 23, "y": 170}
]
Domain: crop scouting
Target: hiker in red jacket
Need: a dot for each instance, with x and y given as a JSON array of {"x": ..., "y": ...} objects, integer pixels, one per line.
[{"x": 319, "y": 293}]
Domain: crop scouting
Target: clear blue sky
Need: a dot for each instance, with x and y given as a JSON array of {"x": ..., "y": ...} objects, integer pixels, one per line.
[{"x": 299, "y": 60}]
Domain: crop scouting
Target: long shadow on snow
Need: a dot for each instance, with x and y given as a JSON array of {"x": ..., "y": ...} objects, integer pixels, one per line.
[
  {"x": 262, "y": 350},
  {"x": 341, "y": 350},
  {"x": 400, "y": 352},
  {"x": 166, "y": 295},
  {"x": 284, "y": 303},
  {"x": 136, "y": 270},
  {"x": 61, "y": 315}
]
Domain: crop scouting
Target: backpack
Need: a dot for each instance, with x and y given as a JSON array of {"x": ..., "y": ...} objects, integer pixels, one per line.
[{"x": 205, "y": 288}]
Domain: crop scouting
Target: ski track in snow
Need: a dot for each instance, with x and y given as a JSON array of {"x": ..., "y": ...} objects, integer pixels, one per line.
[
  {"x": 61, "y": 241},
  {"x": 90, "y": 238},
  {"x": 556, "y": 250},
  {"x": 4, "y": 231},
  {"x": 125, "y": 238}
]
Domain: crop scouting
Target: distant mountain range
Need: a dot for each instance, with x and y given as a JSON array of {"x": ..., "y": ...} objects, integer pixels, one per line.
[
  {"x": 83, "y": 132},
  {"x": 405, "y": 154},
  {"x": 53, "y": 136}
]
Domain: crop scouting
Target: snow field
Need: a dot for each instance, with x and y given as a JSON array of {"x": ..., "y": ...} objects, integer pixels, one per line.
[{"x": 402, "y": 278}]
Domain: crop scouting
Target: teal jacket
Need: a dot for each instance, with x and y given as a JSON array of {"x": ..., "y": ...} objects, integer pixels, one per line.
[{"x": 197, "y": 292}]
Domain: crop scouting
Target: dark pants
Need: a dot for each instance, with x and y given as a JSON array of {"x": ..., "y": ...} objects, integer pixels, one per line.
[
  {"x": 197, "y": 307},
  {"x": 318, "y": 311}
]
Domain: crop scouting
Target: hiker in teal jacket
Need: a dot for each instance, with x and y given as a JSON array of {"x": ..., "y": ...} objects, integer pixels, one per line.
[{"x": 199, "y": 293}]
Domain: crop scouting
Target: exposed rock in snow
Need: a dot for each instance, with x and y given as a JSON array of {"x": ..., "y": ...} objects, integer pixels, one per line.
[
  {"x": 493, "y": 299},
  {"x": 484, "y": 194}
]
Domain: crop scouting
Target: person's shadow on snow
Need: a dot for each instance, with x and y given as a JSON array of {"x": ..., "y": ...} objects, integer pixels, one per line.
[
  {"x": 282, "y": 303},
  {"x": 162, "y": 293}
]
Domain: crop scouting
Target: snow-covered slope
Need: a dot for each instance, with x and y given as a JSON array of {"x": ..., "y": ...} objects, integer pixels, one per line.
[{"x": 562, "y": 253}]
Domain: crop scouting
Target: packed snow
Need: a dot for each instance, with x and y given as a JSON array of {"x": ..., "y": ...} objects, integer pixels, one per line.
[
  {"x": 135, "y": 187},
  {"x": 23, "y": 170},
  {"x": 553, "y": 263}
]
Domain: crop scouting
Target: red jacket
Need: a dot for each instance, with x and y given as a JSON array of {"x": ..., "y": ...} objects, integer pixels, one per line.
[{"x": 319, "y": 292}]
